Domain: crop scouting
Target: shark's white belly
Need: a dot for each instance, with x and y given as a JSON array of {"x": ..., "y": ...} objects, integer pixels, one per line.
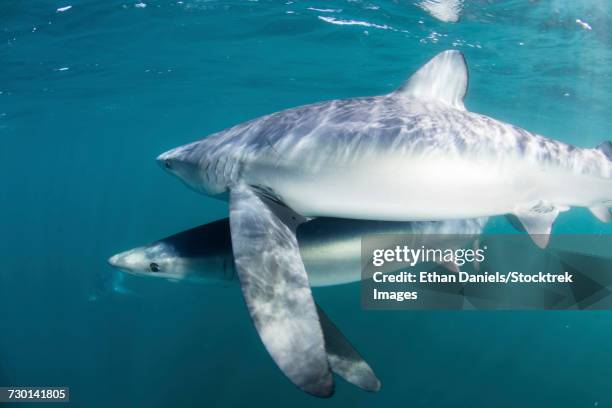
[{"x": 433, "y": 188}]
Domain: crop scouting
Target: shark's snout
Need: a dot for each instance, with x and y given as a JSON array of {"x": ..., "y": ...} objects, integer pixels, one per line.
[
  {"x": 177, "y": 162},
  {"x": 117, "y": 261},
  {"x": 182, "y": 163},
  {"x": 165, "y": 160},
  {"x": 129, "y": 261}
]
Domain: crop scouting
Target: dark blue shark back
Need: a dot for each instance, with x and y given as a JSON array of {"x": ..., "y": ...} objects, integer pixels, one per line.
[{"x": 206, "y": 240}]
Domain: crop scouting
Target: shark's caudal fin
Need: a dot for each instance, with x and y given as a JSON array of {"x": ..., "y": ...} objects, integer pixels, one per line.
[
  {"x": 444, "y": 78},
  {"x": 601, "y": 212},
  {"x": 344, "y": 359},
  {"x": 606, "y": 148},
  {"x": 276, "y": 289}
]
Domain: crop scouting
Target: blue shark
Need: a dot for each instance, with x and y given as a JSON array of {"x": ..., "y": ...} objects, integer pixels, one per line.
[
  {"x": 330, "y": 248},
  {"x": 415, "y": 154}
]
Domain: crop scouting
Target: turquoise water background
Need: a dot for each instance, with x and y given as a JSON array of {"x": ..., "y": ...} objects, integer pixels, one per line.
[{"x": 91, "y": 95}]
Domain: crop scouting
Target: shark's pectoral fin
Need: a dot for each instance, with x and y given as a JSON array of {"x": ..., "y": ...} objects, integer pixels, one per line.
[
  {"x": 276, "y": 289},
  {"x": 344, "y": 359},
  {"x": 602, "y": 213},
  {"x": 537, "y": 220},
  {"x": 444, "y": 78}
]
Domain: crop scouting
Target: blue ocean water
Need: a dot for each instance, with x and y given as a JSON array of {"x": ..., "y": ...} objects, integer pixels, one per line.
[{"x": 89, "y": 95}]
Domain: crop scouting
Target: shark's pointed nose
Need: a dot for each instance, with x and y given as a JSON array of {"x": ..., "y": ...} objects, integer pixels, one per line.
[
  {"x": 121, "y": 261},
  {"x": 163, "y": 156},
  {"x": 114, "y": 261},
  {"x": 166, "y": 160}
]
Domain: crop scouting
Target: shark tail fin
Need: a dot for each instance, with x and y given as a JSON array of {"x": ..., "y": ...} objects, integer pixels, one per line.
[
  {"x": 606, "y": 149},
  {"x": 602, "y": 213}
]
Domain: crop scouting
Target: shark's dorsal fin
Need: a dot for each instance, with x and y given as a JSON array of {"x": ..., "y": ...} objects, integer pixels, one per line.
[{"x": 444, "y": 78}]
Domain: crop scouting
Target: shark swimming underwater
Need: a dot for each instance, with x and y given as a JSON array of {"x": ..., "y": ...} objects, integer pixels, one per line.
[
  {"x": 413, "y": 154},
  {"x": 204, "y": 255},
  {"x": 330, "y": 248}
]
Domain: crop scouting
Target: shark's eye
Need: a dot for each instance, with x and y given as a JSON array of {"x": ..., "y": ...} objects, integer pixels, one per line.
[
  {"x": 153, "y": 267},
  {"x": 167, "y": 164}
]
